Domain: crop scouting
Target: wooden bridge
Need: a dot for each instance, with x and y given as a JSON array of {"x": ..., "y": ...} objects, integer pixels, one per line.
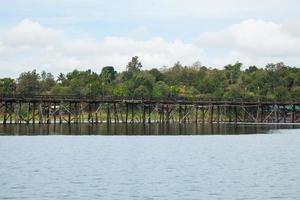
[{"x": 73, "y": 109}]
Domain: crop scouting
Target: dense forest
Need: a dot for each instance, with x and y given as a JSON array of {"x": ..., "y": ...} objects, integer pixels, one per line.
[{"x": 272, "y": 82}]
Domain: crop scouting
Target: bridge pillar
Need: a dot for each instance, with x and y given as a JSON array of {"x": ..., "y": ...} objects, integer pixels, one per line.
[{"x": 293, "y": 114}]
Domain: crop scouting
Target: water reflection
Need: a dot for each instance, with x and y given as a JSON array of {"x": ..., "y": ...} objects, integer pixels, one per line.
[{"x": 139, "y": 129}]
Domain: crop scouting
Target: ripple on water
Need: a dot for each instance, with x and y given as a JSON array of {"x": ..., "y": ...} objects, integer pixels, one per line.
[{"x": 179, "y": 168}]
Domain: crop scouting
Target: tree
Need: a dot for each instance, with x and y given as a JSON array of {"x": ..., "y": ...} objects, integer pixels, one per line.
[
  {"x": 145, "y": 79},
  {"x": 83, "y": 83},
  {"x": 120, "y": 90},
  {"x": 233, "y": 71},
  {"x": 141, "y": 91},
  {"x": 252, "y": 69},
  {"x": 274, "y": 81},
  {"x": 183, "y": 75},
  {"x": 233, "y": 92},
  {"x": 61, "y": 79},
  {"x": 157, "y": 74},
  {"x": 59, "y": 89},
  {"x": 7, "y": 86},
  {"x": 160, "y": 89},
  {"x": 295, "y": 93},
  {"x": 281, "y": 93},
  {"x": 134, "y": 65},
  {"x": 47, "y": 82},
  {"x": 108, "y": 74},
  {"x": 28, "y": 83}
]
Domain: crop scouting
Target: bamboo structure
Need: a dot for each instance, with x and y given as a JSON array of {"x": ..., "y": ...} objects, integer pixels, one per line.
[{"x": 74, "y": 110}]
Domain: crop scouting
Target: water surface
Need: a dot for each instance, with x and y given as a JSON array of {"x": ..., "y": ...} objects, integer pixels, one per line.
[{"x": 251, "y": 166}]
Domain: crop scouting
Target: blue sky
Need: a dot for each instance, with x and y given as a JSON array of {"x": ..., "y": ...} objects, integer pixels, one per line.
[{"x": 63, "y": 35}]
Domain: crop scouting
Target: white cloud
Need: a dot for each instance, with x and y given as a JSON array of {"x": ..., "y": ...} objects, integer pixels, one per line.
[
  {"x": 30, "y": 33},
  {"x": 117, "y": 51},
  {"x": 254, "y": 42},
  {"x": 30, "y": 45}
]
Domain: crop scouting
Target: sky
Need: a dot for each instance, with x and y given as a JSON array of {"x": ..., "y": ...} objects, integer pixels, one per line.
[{"x": 63, "y": 35}]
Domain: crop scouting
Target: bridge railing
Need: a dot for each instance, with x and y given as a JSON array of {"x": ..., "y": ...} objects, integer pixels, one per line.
[{"x": 131, "y": 98}]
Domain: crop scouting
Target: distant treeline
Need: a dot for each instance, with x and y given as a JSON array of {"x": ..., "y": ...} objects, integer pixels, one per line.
[{"x": 274, "y": 82}]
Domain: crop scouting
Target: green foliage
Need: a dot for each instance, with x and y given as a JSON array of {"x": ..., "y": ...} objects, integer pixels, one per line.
[
  {"x": 108, "y": 74},
  {"x": 232, "y": 72},
  {"x": 274, "y": 81},
  {"x": 134, "y": 65},
  {"x": 160, "y": 90},
  {"x": 7, "y": 86},
  {"x": 120, "y": 90},
  {"x": 295, "y": 93},
  {"x": 179, "y": 74},
  {"x": 158, "y": 75},
  {"x": 47, "y": 82},
  {"x": 143, "y": 78},
  {"x": 233, "y": 92},
  {"x": 29, "y": 83},
  {"x": 141, "y": 91},
  {"x": 61, "y": 90}
]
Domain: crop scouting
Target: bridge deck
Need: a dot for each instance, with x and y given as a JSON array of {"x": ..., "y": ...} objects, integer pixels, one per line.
[
  {"x": 199, "y": 101},
  {"x": 74, "y": 109}
]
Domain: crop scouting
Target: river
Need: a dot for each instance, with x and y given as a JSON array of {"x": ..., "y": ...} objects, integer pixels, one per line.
[{"x": 173, "y": 162}]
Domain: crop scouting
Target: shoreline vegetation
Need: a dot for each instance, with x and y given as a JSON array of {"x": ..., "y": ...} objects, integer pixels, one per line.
[{"x": 272, "y": 82}]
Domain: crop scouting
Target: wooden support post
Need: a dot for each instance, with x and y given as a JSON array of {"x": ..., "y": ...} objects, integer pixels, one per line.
[
  {"x": 218, "y": 114},
  {"x": 211, "y": 114},
  {"x": 28, "y": 113},
  {"x": 132, "y": 113},
  {"x": 277, "y": 113},
  {"x": 89, "y": 113},
  {"x": 19, "y": 113},
  {"x": 54, "y": 113},
  {"x": 284, "y": 114},
  {"x": 167, "y": 114},
  {"x": 144, "y": 113},
  {"x": 60, "y": 112},
  {"x": 10, "y": 112},
  {"x": 76, "y": 113},
  {"x": 48, "y": 113},
  {"x": 185, "y": 114},
  {"x": 16, "y": 111},
  {"x": 108, "y": 114},
  {"x": 116, "y": 119},
  {"x": 293, "y": 113},
  {"x": 92, "y": 113},
  {"x": 196, "y": 114},
  {"x": 261, "y": 114},
  {"x": 40, "y": 113},
  {"x": 180, "y": 114},
  {"x": 149, "y": 113},
  {"x": 69, "y": 113},
  {"x": 96, "y": 113},
  {"x": 33, "y": 113},
  {"x": 229, "y": 114},
  {"x": 81, "y": 113},
  {"x": 245, "y": 114},
  {"x": 126, "y": 117},
  {"x": 203, "y": 114},
  {"x": 159, "y": 112},
  {"x": 162, "y": 113},
  {"x": 236, "y": 114},
  {"x": 5, "y": 113}
]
